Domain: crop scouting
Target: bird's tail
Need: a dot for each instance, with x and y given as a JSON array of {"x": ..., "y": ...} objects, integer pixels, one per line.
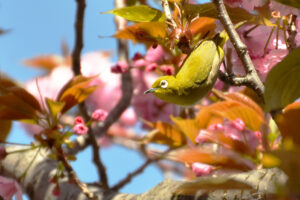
[{"x": 222, "y": 37}]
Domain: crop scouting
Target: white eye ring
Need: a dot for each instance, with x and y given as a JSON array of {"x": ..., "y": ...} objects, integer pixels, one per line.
[{"x": 164, "y": 84}]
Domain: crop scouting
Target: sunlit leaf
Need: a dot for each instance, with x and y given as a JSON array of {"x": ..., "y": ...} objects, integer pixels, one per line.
[
  {"x": 55, "y": 108},
  {"x": 222, "y": 157},
  {"x": 47, "y": 62},
  {"x": 292, "y": 3},
  {"x": 215, "y": 113},
  {"x": 165, "y": 133},
  {"x": 211, "y": 183},
  {"x": 26, "y": 97},
  {"x": 5, "y": 129},
  {"x": 283, "y": 82},
  {"x": 269, "y": 160},
  {"x": 75, "y": 91},
  {"x": 288, "y": 122},
  {"x": 139, "y": 13},
  {"x": 144, "y": 32},
  {"x": 203, "y": 25},
  {"x": 188, "y": 126},
  {"x": 241, "y": 98}
]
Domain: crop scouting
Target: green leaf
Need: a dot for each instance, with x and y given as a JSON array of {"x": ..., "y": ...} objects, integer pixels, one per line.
[
  {"x": 55, "y": 107},
  {"x": 283, "y": 82},
  {"x": 292, "y": 3},
  {"x": 139, "y": 13}
]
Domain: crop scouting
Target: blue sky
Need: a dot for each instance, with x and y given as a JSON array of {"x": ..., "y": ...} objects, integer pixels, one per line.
[{"x": 37, "y": 27}]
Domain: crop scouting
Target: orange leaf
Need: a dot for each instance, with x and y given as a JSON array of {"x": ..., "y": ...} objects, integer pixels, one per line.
[
  {"x": 26, "y": 97},
  {"x": 203, "y": 25},
  {"x": 188, "y": 126},
  {"x": 165, "y": 133},
  {"x": 10, "y": 114},
  {"x": 223, "y": 157},
  {"x": 288, "y": 122},
  {"x": 230, "y": 110},
  {"x": 5, "y": 129},
  {"x": 76, "y": 91},
  {"x": 241, "y": 98},
  {"x": 47, "y": 62},
  {"x": 14, "y": 103},
  {"x": 145, "y": 32}
]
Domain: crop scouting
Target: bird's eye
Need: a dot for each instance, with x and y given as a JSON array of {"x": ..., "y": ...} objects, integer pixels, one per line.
[{"x": 164, "y": 84}]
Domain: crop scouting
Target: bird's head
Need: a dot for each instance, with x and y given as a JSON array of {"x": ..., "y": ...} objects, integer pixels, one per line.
[{"x": 163, "y": 86}]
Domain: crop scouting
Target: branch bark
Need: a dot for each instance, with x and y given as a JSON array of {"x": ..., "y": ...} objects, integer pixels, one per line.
[
  {"x": 252, "y": 80},
  {"x": 36, "y": 184}
]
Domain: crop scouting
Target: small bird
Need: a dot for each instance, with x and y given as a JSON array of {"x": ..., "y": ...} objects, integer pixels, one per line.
[{"x": 197, "y": 75}]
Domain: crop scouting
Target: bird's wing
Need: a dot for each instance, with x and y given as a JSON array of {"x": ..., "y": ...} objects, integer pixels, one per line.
[{"x": 197, "y": 66}]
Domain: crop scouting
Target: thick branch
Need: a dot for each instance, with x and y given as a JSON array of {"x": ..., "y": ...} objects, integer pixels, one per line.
[
  {"x": 36, "y": 184},
  {"x": 78, "y": 36},
  {"x": 241, "y": 48}
]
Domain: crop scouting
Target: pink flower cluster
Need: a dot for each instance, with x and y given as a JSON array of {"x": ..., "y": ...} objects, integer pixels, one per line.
[
  {"x": 201, "y": 169},
  {"x": 154, "y": 58},
  {"x": 80, "y": 128},
  {"x": 9, "y": 188},
  {"x": 99, "y": 115},
  {"x": 235, "y": 130}
]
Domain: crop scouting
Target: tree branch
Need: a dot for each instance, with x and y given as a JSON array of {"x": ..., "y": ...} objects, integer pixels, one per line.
[
  {"x": 251, "y": 77},
  {"x": 78, "y": 36},
  {"x": 76, "y": 65},
  {"x": 36, "y": 184},
  {"x": 126, "y": 86}
]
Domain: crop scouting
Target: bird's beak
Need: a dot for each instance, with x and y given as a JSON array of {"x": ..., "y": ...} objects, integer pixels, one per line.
[{"x": 151, "y": 90}]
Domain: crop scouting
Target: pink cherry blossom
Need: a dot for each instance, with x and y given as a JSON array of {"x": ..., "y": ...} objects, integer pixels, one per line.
[
  {"x": 235, "y": 130},
  {"x": 99, "y": 115},
  {"x": 151, "y": 67},
  {"x": 201, "y": 169},
  {"x": 239, "y": 124},
  {"x": 120, "y": 67},
  {"x": 283, "y": 9},
  {"x": 79, "y": 120},
  {"x": 167, "y": 69},
  {"x": 56, "y": 191},
  {"x": 203, "y": 136},
  {"x": 216, "y": 127},
  {"x": 80, "y": 129},
  {"x": 9, "y": 188}
]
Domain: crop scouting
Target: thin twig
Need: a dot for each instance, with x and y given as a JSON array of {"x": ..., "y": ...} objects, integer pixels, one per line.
[
  {"x": 251, "y": 76},
  {"x": 126, "y": 86},
  {"x": 166, "y": 7},
  {"x": 138, "y": 171},
  {"x": 292, "y": 33},
  {"x": 77, "y": 70},
  {"x": 96, "y": 151},
  {"x": 78, "y": 36},
  {"x": 72, "y": 174}
]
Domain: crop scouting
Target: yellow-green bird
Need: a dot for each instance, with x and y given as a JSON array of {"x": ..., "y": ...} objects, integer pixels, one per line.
[{"x": 197, "y": 75}]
